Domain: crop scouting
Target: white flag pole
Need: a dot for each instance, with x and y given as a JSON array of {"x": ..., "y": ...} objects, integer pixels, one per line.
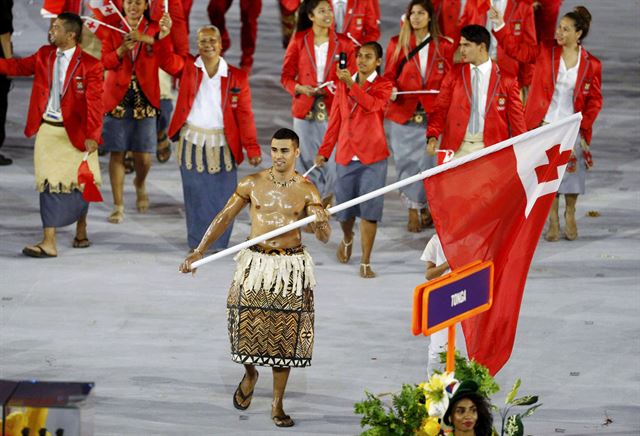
[
  {"x": 409, "y": 180},
  {"x": 421, "y": 91},
  {"x": 100, "y": 23},
  {"x": 309, "y": 170},
  {"x": 120, "y": 15}
]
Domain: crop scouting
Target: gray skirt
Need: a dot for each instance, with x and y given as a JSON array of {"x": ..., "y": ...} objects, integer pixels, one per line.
[
  {"x": 311, "y": 134},
  {"x": 574, "y": 183},
  {"x": 129, "y": 134},
  {"x": 408, "y": 144},
  {"x": 61, "y": 209}
]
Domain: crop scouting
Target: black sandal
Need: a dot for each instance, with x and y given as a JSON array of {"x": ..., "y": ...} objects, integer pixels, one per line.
[
  {"x": 243, "y": 397},
  {"x": 283, "y": 421}
]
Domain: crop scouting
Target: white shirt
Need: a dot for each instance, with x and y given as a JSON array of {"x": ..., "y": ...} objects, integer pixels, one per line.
[
  {"x": 424, "y": 57},
  {"x": 562, "y": 101},
  {"x": 485, "y": 75},
  {"x": 64, "y": 62},
  {"x": 433, "y": 253},
  {"x": 321, "y": 53},
  {"x": 501, "y": 6},
  {"x": 206, "y": 112}
]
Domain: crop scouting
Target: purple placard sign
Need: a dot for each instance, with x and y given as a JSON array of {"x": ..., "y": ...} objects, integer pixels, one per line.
[{"x": 459, "y": 297}]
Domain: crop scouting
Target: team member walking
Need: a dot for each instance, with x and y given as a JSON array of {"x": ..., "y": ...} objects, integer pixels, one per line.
[
  {"x": 214, "y": 120},
  {"x": 357, "y": 127},
  {"x": 479, "y": 104},
  {"x": 132, "y": 99},
  {"x": 566, "y": 79},
  {"x": 308, "y": 72},
  {"x": 270, "y": 304},
  {"x": 358, "y": 20},
  {"x": 418, "y": 59},
  {"x": 65, "y": 113}
]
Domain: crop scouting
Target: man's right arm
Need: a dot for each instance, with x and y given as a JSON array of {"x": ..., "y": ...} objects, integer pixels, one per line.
[{"x": 236, "y": 203}]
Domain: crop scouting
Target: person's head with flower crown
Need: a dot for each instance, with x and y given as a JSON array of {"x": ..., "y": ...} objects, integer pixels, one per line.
[{"x": 469, "y": 412}]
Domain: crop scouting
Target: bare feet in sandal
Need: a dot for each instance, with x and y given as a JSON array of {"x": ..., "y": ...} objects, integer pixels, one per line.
[
  {"x": 414, "y": 225},
  {"x": 366, "y": 272},
  {"x": 117, "y": 215},
  {"x": 344, "y": 251},
  {"x": 142, "y": 199}
]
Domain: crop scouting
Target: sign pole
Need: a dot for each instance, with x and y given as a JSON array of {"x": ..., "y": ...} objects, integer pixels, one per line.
[{"x": 451, "y": 349}]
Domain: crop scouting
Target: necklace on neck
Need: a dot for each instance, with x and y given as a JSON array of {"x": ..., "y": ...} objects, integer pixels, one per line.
[{"x": 281, "y": 183}]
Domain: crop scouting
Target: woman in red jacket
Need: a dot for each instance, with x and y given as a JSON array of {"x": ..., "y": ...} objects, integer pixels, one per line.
[
  {"x": 357, "y": 127},
  {"x": 566, "y": 79},
  {"x": 132, "y": 98},
  {"x": 417, "y": 60},
  {"x": 309, "y": 75}
]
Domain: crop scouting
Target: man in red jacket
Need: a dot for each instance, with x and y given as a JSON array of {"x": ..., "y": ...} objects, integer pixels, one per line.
[
  {"x": 358, "y": 20},
  {"x": 479, "y": 104},
  {"x": 214, "y": 122},
  {"x": 66, "y": 113}
]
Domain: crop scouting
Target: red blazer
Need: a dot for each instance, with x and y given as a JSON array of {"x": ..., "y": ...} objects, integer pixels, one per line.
[
  {"x": 439, "y": 62},
  {"x": 239, "y": 126},
  {"x": 518, "y": 17},
  {"x": 81, "y": 102},
  {"x": 146, "y": 64},
  {"x": 587, "y": 96},
  {"x": 299, "y": 67},
  {"x": 447, "y": 12},
  {"x": 361, "y": 20},
  {"x": 503, "y": 117},
  {"x": 357, "y": 123}
]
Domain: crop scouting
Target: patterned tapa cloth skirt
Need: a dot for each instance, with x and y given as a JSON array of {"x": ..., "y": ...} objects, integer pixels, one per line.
[
  {"x": 56, "y": 163},
  {"x": 270, "y": 308}
]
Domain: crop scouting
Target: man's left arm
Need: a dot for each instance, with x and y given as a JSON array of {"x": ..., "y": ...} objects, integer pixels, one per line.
[
  {"x": 93, "y": 95},
  {"x": 313, "y": 206}
]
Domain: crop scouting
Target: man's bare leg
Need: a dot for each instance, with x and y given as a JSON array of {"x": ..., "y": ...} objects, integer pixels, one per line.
[
  {"x": 346, "y": 245},
  {"x": 116, "y": 176},
  {"x": 280, "y": 377},
  {"x": 414, "y": 225},
  {"x": 142, "y": 164},
  {"x": 46, "y": 245},
  {"x": 244, "y": 394},
  {"x": 367, "y": 237}
]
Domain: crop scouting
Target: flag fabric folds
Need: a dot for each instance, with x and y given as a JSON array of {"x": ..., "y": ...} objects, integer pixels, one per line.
[
  {"x": 492, "y": 205},
  {"x": 91, "y": 193}
]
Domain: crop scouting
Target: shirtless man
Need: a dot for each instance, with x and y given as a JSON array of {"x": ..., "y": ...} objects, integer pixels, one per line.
[{"x": 271, "y": 294}]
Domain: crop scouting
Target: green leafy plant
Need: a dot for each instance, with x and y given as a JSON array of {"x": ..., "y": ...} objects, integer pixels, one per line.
[
  {"x": 407, "y": 412},
  {"x": 403, "y": 416},
  {"x": 512, "y": 424}
]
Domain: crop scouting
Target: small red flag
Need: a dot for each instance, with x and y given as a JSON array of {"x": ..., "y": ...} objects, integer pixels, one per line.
[
  {"x": 492, "y": 205},
  {"x": 91, "y": 192}
]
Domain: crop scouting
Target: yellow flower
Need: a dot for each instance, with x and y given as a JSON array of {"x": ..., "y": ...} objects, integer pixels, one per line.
[{"x": 430, "y": 427}]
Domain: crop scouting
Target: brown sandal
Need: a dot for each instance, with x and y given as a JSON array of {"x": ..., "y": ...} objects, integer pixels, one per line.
[
  {"x": 243, "y": 397},
  {"x": 344, "y": 251},
  {"x": 366, "y": 272}
]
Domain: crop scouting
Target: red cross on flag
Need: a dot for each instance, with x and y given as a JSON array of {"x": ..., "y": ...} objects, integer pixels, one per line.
[{"x": 492, "y": 205}]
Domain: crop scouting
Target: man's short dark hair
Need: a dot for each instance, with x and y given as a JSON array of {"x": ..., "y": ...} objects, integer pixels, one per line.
[
  {"x": 285, "y": 133},
  {"x": 476, "y": 34},
  {"x": 72, "y": 23}
]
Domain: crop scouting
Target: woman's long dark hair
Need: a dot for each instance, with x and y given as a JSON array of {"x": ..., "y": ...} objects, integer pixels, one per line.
[
  {"x": 304, "y": 10},
  {"x": 484, "y": 424},
  {"x": 406, "y": 30}
]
